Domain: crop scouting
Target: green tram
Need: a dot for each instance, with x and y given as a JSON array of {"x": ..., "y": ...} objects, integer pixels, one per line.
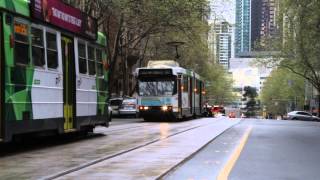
[{"x": 53, "y": 69}]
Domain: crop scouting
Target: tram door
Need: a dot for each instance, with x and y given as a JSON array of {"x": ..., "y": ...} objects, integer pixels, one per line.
[
  {"x": 191, "y": 94},
  {"x": 68, "y": 83},
  {"x": 1, "y": 84}
]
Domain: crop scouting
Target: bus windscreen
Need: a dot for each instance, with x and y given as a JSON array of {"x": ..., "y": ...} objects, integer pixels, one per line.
[{"x": 157, "y": 87}]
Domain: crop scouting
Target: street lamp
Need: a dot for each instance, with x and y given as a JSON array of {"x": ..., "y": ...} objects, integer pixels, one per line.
[{"x": 176, "y": 44}]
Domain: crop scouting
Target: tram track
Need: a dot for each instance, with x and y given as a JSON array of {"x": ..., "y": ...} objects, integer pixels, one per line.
[
  {"x": 22, "y": 147},
  {"x": 123, "y": 129},
  {"x": 108, "y": 157}
]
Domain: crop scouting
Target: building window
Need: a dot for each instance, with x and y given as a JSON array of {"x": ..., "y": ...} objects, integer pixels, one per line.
[
  {"x": 38, "y": 57},
  {"x": 52, "y": 53}
]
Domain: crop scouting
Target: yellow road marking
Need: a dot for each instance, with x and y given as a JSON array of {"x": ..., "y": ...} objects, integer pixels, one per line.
[{"x": 224, "y": 173}]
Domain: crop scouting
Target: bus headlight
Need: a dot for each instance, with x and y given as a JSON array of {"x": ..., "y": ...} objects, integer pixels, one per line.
[
  {"x": 164, "y": 108},
  {"x": 143, "y": 108}
]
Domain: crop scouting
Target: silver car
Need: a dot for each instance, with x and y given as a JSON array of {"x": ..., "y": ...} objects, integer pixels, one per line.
[
  {"x": 128, "y": 107},
  {"x": 302, "y": 115}
]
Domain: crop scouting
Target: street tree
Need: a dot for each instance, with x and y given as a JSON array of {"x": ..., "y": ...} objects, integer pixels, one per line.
[
  {"x": 299, "y": 40},
  {"x": 144, "y": 28},
  {"x": 250, "y": 94},
  {"x": 219, "y": 88},
  {"x": 130, "y": 25},
  {"x": 283, "y": 91}
]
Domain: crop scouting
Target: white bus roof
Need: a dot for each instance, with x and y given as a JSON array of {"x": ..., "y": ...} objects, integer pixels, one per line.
[
  {"x": 168, "y": 64},
  {"x": 162, "y": 64}
]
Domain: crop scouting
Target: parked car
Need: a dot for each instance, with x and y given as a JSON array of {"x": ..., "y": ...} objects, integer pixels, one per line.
[
  {"x": 232, "y": 115},
  {"x": 128, "y": 107},
  {"x": 302, "y": 115},
  {"x": 115, "y": 104}
]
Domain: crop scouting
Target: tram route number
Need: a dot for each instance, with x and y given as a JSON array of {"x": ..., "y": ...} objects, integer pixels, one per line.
[{"x": 21, "y": 28}]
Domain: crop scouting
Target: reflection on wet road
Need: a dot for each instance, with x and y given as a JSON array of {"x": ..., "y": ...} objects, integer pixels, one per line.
[{"x": 115, "y": 142}]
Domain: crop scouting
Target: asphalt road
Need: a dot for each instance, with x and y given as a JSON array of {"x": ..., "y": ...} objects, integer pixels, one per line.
[
  {"x": 258, "y": 149},
  {"x": 207, "y": 148}
]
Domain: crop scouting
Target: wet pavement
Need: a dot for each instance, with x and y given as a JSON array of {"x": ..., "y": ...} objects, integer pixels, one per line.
[
  {"x": 48, "y": 161},
  {"x": 276, "y": 150},
  {"x": 199, "y": 149},
  {"x": 280, "y": 150},
  {"x": 208, "y": 163},
  {"x": 156, "y": 159}
]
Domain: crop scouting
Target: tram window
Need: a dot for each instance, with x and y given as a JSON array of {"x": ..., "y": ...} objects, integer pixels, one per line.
[
  {"x": 21, "y": 43},
  {"x": 91, "y": 60},
  {"x": 99, "y": 62},
  {"x": 82, "y": 58},
  {"x": 185, "y": 84},
  {"x": 37, "y": 47},
  {"x": 197, "y": 87},
  {"x": 52, "y": 54}
]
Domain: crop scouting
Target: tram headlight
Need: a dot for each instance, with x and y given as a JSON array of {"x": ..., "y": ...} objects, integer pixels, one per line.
[
  {"x": 146, "y": 108},
  {"x": 164, "y": 108}
]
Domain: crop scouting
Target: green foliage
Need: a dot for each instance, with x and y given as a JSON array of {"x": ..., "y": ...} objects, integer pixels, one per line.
[
  {"x": 219, "y": 84},
  {"x": 299, "y": 41},
  {"x": 145, "y": 27},
  {"x": 281, "y": 91},
  {"x": 250, "y": 93}
]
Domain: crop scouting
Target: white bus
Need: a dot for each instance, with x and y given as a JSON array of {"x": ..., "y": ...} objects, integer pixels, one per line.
[{"x": 167, "y": 91}]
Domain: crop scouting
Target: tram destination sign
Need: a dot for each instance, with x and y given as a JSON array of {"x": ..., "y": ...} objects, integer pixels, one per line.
[
  {"x": 155, "y": 72},
  {"x": 57, "y": 13}
]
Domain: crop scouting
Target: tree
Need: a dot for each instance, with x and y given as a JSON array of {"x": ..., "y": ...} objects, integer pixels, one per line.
[
  {"x": 219, "y": 84},
  {"x": 299, "y": 40},
  {"x": 250, "y": 93},
  {"x": 142, "y": 28},
  {"x": 130, "y": 25},
  {"x": 283, "y": 91}
]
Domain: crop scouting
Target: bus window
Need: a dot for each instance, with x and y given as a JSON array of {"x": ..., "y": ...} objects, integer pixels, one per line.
[
  {"x": 21, "y": 43},
  {"x": 52, "y": 54},
  {"x": 99, "y": 62},
  {"x": 82, "y": 58},
  {"x": 157, "y": 87},
  {"x": 37, "y": 47},
  {"x": 91, "y": 60}
]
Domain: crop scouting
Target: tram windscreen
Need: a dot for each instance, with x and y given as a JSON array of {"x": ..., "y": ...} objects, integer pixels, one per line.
[{"x": 157, "y": 87}]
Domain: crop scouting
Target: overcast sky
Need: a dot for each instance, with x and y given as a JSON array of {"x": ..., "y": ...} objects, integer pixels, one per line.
[{"x": 224, "y": 9}]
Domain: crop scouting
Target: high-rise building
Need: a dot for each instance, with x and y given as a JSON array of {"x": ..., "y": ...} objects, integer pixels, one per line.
[
  {"x": 256, "y": 15},
  {"x": 255, "y": 26},
  {"x": 269, "y": 27},
  {"x": 243, "y": 27},
  {"x": 263, "y": 26},
  {"x": 223, "y": 43}
]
